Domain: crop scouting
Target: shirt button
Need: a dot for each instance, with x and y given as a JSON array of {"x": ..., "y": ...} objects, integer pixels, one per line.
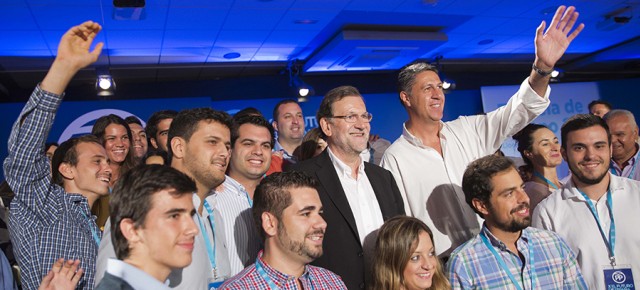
[{"x": 360, "y": 254}]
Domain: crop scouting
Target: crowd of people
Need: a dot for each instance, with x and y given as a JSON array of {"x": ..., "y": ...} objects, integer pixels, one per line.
[{"x": 200, "y": 199}]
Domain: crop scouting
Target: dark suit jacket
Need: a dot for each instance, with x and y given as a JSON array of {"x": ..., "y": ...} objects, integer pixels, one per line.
[
  {"x": 343, "y": 253},
  {"x": 110, "y": 282}
]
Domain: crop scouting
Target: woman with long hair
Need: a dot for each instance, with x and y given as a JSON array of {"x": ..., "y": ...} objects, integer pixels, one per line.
[
  {"x": 540, "y": 151},
  {"x": 405, "y": 258},
  {"x": 312, "y": 145},
  {"x": 115, "y": 135}
]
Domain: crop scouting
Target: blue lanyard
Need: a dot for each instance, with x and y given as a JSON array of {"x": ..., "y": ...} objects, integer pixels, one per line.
[
  {"x": 532, "y": 271},
  {"x": 211, "y": 250},
  {"x": 537, "y": 174},
  {"x": 265, "y": 277},
  {"x": 96, "y": 237},
  {"x": 611, "y": 241},
  {"x": 615, "y": 172},
  {"x": 248, "y": 198}
]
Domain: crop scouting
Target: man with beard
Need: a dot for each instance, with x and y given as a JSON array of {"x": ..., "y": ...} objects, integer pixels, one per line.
[
  {"x": 624, "y": 147},
  {"x": 507, "y": 253},
  {"x": 199, "y": 146},
  {"x": 288, "y": 212},
  {"x": 595, "y": 207}
]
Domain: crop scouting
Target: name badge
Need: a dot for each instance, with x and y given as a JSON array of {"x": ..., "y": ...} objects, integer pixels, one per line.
[
  {"x": 214, "y": 285},
  {"x": 618, "y": 278}
]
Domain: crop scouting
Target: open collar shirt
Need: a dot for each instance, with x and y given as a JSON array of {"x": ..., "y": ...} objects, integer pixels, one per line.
[
  {"x": 473, "y": 265},
  {"x": 313, "y": 278},
  {"x": 431, "y": 184},
  {"x": 46, "y": 222},
  {"x": 631, "y": 169}
]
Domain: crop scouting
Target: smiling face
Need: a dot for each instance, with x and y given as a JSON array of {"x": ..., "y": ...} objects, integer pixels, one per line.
[
  {"x": 140, "y": 145},
  {"x": 588, "y": 154},
  {"x": 344, "y": 138},
  {"x": 251, "y": 154},
  {"x": 508, "y": 207},
  {"x": 116, "y": 142},
  {"x": 545, "y": 149},
  {"x": 623, "y": 138},
  {"x": 165, "y": 241},
  {"x": 425, "y": 101},
  {"x": 301, "y": 226},
  {"x": 92, "y": 174},
  {"x": 290, "y": 123},
  {"x": 206, "y": 154},
  {"x": 418, "y": 274}
]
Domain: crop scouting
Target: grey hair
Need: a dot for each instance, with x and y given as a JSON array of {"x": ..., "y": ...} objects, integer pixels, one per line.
[{"x": 619, "y": 112}]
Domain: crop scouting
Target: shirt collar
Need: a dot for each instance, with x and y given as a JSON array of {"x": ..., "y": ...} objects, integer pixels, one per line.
[
  {"x": 524, "y": 236},
  {"x": 629, "y": 162},
  {"x": 343, "y": 168},
  {"x": 570, "y": 190},
  {"x": 232, "y": 186},
  {"x": 135, "y": 277},
  {"x": 415, "y": 141},
  {"x": 278, "y": 277},
  {"x": 278, "y": 147}
]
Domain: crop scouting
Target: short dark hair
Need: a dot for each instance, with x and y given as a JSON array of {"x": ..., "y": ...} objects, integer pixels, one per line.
[
  {"x": 579, "y": 122},
  {"x": 157, "y": 117},
  {"x": 131, "y": 198},
  {"x": 332, "y": 96},
  {"x": 476, "y": 181},
  {"x": 99, "y": 129},
  {"x": 277, "y": 107},
  {"x": 186, "y": 123},
  {"x": 248, "y": 111},
  {"x": 273, "y": 194},
  {"x": 133, "y": 120},
  {"x": 161, "y": 153},
  {"x": 67, "y": 153},
  {"x": 408, "y": 73},
  {"x": 249, "y": 119},
  {"x": 599, "y": 102}
]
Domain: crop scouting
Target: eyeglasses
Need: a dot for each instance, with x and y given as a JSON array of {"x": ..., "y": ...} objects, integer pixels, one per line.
[{"x": 365, "y": 117}]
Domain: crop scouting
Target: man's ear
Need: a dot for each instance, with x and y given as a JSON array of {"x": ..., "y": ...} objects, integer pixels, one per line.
[
  {"x": 177, "y": 147},
  {"x": 563, "y": 152},
  {"x": 269, "y": 224},
  {"x": 404, "y": 97},
  {"x": 153, "y": 143},
  {"x": 480, "y": 206},
  {"x": 129, "y": 231},
  {"x": 274, "y": 124},
  {"x": 66, "y": 170},
  {"x": 324, "y": 126}
]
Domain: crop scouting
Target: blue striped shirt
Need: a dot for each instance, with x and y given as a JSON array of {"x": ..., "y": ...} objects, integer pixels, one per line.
[
  {"x": 473, "y": 266},
  {"x": 46, "y": 223}
]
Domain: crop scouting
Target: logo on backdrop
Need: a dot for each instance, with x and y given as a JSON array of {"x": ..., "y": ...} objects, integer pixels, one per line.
[{"x": 83, "y": 124}]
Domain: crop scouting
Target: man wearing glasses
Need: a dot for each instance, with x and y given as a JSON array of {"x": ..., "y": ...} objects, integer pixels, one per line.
[{"x": 357, "y": 196}]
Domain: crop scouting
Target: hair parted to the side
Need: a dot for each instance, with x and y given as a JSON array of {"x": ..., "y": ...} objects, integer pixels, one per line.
[
  {"x": 397, "y": 240},
  {"x": 273, "y": 194},
  {"x": 187, "y": 122},
  {"x": 334, "y": 95},
  {"x": 255, "y": 120},
  {"x": 99, "y": 129},
  {"x": 132, "y": 198},
  {"x": 67, "y": 153},
  {"x": 476, "y": 181},
  {"x": 407, "y": 76},
  {"x": 579, "y": 122},
  {"x": 155, "y": 119}
]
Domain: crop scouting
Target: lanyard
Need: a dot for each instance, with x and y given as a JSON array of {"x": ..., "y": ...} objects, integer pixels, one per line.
[
  {"x": 96, "y": 237},
  {"x": 615, "y": 172},
  {"x": 248, "y": 198},
  {"x": 532, "y": 271},
  {"x": 611, "y": 242},
  {"x": 211, "y": 250},
  {"x": 537, "y": 174},
  {"x": 265, "y": 277}
]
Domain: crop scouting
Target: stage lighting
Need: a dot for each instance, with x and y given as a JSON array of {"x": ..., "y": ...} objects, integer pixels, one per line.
[
  {"x": 105, "y": 86},
  {"x": 302, "y": 89},
  {"x": 447, "y": 84}
]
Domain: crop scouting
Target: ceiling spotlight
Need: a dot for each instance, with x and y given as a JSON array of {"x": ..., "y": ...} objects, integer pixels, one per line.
[
  {"x": 447, "y": 84},
  {"x": 302, "y": 89},
  {"x": 105, "y": 86},
  {"x": 557, "y": 74}
]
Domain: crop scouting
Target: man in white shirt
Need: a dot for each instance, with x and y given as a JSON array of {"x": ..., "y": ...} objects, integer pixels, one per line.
[
  {"x": 357, "y": 196},
  {"x": 596, "y": 212},
  {"x": 153, "y": 229},
  {"x": 624, "y": 147},
  {"x": 429, "y": 158},
  {"x": 251, "y": 143},
  {"x": 199, "y": 146}
]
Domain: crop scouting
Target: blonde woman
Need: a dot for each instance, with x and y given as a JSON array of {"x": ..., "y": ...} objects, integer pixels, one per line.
[{"x": 406, "y": 258}]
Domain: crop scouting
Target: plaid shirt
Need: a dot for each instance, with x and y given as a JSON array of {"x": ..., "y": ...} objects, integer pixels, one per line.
[
  {"x": 473, "y": 266},
  {"x": 46, "y": 223},
  {"x": 314, "y": 278}
]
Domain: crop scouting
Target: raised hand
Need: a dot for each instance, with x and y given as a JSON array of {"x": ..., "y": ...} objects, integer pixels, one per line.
[
  {"x": 62, "y": 276},
  {"x": 552, "y": 44}
]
